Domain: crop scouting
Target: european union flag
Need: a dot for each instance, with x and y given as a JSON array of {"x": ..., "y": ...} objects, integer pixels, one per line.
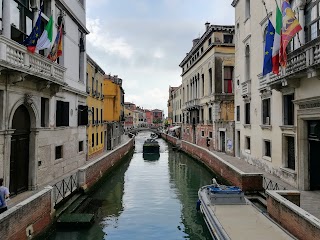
[
  {"x": 267, "y": 62},
  {"x": 32, "y": 39}
]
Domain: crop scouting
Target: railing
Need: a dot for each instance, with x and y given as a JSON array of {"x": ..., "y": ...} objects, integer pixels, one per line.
[
  {"x": 268, "y": 184},
  {"x": 64, "y": 188},
  {"x": 193, "y": 103},
  {"x": 246, "y": 88},
  {"x": 16, "y": 57}
]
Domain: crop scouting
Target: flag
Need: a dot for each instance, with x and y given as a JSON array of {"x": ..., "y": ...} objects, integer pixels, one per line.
[
  {"x": 56, "y": 50},
  {"x": 45, "y": 40},
  {"x": 267, "y": 62},
  {"x": 290, "y": 26},
  {"x": 31, "y": 41},
  {"x": 277, "y": 42}
]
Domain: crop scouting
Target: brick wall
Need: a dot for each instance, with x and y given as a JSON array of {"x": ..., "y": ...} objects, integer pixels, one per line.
[
  {"x": 301, "y": 224},
  {"x": 248, "y": 182},
  {"x": 93, "y": 172},
  {"x": 33, "y": 213}
]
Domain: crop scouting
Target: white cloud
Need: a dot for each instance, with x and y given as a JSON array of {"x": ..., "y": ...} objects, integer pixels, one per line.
[
  {"x": 103, "y": 40},
  {"x": 158, "y": 53}
]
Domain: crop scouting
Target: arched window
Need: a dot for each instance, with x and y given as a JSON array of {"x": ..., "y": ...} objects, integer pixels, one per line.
[{"x": 247, "y": 63}]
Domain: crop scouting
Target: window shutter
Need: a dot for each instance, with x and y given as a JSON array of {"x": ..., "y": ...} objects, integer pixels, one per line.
[{"x": 65, "y": 114}]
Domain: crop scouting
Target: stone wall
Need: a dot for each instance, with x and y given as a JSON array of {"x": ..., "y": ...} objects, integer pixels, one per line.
[
  {"x": 94, "y": 171},
  {"x": 28, "y": 218},
  {"x": 302, "y": 224},
  {"x": 247, "y": 182}
]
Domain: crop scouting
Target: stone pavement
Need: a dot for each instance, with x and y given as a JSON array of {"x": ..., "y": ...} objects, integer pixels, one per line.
[{"x": 309, "y": 200}]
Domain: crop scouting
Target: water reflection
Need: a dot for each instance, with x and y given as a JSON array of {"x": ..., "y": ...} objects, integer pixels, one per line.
[
  {"x": 151, "y": 156},
  {"x": 147, "y": 199}
]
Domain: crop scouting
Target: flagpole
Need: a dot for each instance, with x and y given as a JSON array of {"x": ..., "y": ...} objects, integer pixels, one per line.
[{"x": 265, "y": 7}]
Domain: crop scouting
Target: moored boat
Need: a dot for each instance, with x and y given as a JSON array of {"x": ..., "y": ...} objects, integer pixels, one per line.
[
  {"x": 151, "y": 146},
  {"x": 230, "y": 215}
]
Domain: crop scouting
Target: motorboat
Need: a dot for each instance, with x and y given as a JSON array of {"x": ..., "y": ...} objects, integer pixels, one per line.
[
  {"x": 230, "y": 215},
  {"x": 151, "y": 146}
]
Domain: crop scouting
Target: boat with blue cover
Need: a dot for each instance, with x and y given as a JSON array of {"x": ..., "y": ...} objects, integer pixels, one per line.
[{"x": 230, "y": 215}]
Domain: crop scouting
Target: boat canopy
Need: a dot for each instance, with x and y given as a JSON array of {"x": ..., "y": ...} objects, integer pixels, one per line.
[{"x": 174, "y": 128}]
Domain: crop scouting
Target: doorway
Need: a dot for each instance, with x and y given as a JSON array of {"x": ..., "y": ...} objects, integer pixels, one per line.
[
  {"x": 314, "y": 160},
  {"x": 19, "y": 157},
  {"x": 222, "y": 141}
]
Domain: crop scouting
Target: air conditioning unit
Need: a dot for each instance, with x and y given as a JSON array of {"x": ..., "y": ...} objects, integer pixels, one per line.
[{"x": 267, "y": 120}]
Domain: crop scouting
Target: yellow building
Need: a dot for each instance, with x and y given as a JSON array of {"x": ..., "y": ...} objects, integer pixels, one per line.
[
  {"x": 114, "y": 102},
  {"x": 95, "y": 130}
]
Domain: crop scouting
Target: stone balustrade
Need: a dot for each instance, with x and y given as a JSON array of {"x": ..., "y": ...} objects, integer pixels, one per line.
[{"x": 15, "y": 57}]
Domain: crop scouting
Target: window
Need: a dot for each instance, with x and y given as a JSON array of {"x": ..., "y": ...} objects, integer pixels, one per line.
[
  {"x": 101, "y": 137},
  {"x": 248, "y": 143},
  {"x": 62, "y": 114},
  {"x": 247, "y": 63},
  {"x": 82, "y": 115},
  {"x": 238, "y": 113},
  {"x": 97, "y": 112},
  {"x": 247, "y": 113},
  {"x": 202, "y": 133},
  {"x": 210, "y": 81},
  {"x": 202, "y": 76},
  {"x": 201, "y": 49},
  {"x": 21, "y": 20},
  {"x": 92, "y": 140},
  {"x": 267, "y": 148},
  {"x": 92, "y": 85},
  {"x": 266, "y": 112},
  {"x": 202, "y": 114},
  {"x": 58, "y": 152},
  {"x": 44, "y": 112},
  {"x": 247, "y": 10},
  {"x": 288, "y": 109},
  {"x": 81, "y": 146},
  {"x": 101, "y": 115},
  {"x": 290, "y": 152},
  {"x": 312, "y": 20},
  {"x": 92, "y": 112},
  {"x": 227, "y": 38},
  {"x": 209, "y": 42},
  {"x": 97, "y": 136},
  {"x": 210, "y": 134},
  {"x": 210, "y": 114},
  {"x": 228, "y": 72}
]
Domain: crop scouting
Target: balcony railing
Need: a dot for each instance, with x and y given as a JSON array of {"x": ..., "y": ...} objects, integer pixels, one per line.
[
  {"x": 299, "y": 61},
  {"x": 16, "y": 57},
  {"x": 246, "y": 88},
  {"x": 193, "y": 103}
]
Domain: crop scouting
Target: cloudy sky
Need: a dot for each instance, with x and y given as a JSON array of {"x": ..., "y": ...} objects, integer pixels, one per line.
[{"x": 144, "y": 41}]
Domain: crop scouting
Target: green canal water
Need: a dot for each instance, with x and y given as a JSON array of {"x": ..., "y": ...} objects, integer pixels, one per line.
[{"x": 147, "y": 199}]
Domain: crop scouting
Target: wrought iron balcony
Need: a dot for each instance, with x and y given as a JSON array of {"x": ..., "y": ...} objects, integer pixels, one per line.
[
  {"x": 15, "y": 57},
  {"x": 193, "y": 104}
]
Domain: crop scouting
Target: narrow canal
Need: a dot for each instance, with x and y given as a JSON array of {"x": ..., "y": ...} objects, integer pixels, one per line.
[{"x": 147, "y": 199}]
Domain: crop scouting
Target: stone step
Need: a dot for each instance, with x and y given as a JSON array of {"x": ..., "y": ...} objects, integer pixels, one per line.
[
  {"x": 76, "y": 204},
  {"x": 67, "y": 204},
  {"x": 75, "y": 220}
]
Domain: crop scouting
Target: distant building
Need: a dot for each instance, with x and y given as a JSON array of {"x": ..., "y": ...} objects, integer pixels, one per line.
[
  {"x": 114, "y": 115},
  {"x": 95, "y": 129},
  {"x": 207, "y": 90},
  {"x": 157, "y": 117},
  {"x": 149, "y": 117},
  {"x": 177, "y": 106},
  {"x": 170, "y": 105}
]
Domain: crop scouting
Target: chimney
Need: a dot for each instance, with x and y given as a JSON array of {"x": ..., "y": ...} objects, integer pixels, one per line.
[
  {"x": 207, "y": 24},
  {"x": 195, "y": 41}
]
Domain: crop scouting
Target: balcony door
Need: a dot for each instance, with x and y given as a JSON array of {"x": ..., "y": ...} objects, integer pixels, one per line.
[{"x": 19, "y": 157}]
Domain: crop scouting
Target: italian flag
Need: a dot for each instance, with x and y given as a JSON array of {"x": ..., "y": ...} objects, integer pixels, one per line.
[
  {"x": 277, "y": 42},
  {"x": 45, "y": 40}
]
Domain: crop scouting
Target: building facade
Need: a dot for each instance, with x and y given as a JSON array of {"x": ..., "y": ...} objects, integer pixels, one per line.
[
  {"x": 278, "y": 116},
  {"x": 170, "y": 105},
  {"x": 177, "y": 106},
  {"x": 207, "y": 90},
  {"x": 43, "y": 114},
  {"x": 157, "y": 117},
  {"x": 113, "y": 115},
  {"x": 96, "y": 128}
]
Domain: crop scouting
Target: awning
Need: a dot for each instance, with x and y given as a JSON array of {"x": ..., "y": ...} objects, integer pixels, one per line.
[{"x": 174, "y": 128}]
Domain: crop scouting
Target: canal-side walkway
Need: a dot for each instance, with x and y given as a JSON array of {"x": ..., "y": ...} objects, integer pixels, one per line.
[{"x": 309, "y": 200}]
